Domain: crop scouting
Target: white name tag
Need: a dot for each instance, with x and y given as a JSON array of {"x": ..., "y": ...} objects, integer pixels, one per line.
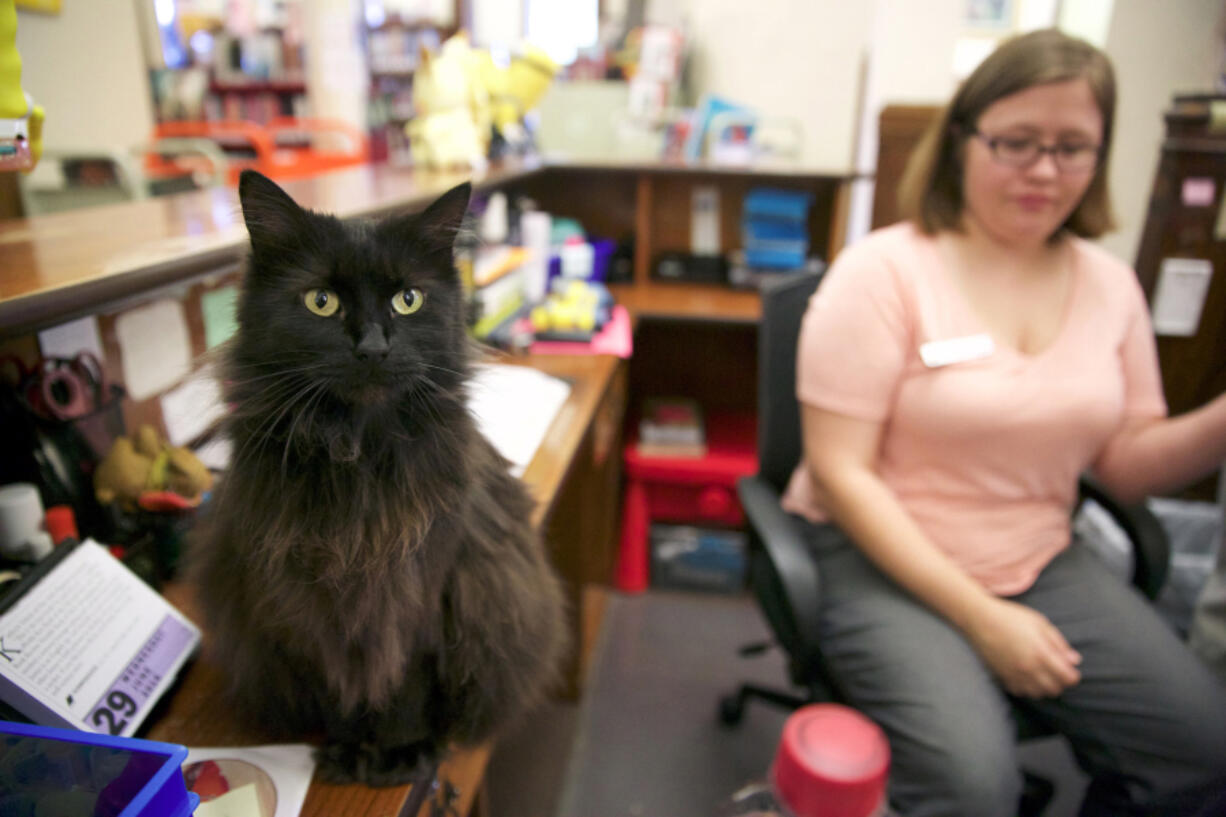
[{"x": 938, "y": 353}]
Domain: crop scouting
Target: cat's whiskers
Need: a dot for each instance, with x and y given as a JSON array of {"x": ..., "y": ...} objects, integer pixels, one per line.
[
  {"x": 263, "y": 430},
  {"x": 308, "y": 403},
  {"x": 242, "y": 379},
  {"x": 281, "y": 372},
  {"x": 432, "y": 407},
  {"x": 442, "y": 369}
]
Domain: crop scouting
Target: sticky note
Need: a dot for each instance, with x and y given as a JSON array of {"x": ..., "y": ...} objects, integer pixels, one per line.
[
  {"x": 67, "y": 339},
  {"x": 1179, "y": 296},
  {"x": 192, "y": 408},
  {"x": 156, "y": 347},
  {"x": 220, "y": 309},
  {"x": 240, "y": 802},
  {"x": 1198, "y": 191}
]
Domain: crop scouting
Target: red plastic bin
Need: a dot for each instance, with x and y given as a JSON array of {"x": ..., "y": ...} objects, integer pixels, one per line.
[{"x": 694, "y": 490}]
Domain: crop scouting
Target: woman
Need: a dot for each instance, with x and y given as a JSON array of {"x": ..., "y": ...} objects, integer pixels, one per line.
[{"x": 957, "y": 373}]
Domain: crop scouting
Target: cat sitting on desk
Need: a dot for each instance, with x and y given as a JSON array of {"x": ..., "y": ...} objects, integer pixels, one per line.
[{"x": 368, "y": 568}]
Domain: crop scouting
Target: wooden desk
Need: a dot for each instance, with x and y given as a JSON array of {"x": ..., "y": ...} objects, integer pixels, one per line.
[
  {"x": 97, "y": 262},
  {"x": 561, "y": 463}
]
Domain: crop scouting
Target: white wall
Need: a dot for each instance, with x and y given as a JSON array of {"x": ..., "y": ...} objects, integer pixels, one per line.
[
  {"x": 86, "y": 68},
  {"x": 913, "y": 51},
  {"x": 792, "y": 58},
  {"x": 337, "y": 79},
  {"x": 1159, "y": 48}
]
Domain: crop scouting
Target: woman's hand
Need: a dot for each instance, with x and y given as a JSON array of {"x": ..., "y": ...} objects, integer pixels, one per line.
[{"x": 1024, "y": 650}]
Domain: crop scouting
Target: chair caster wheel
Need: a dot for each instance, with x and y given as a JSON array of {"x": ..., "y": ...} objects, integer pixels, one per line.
[{"x": 731, "y": 709}]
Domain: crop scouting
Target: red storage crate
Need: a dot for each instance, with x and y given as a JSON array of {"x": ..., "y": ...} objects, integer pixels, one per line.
[{"x": 693, "y": 490}]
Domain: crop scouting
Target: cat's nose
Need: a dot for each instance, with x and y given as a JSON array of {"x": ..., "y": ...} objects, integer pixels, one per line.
[{"x": 373, "y": 345}]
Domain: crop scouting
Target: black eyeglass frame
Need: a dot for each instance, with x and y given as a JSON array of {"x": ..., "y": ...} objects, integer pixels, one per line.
[{"x": 993, "y": 142}]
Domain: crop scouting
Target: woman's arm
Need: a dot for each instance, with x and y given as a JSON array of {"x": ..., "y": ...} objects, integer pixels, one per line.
[
  {"x": 1022, "y": 647},
  {"x": 1160, "y": 454}
]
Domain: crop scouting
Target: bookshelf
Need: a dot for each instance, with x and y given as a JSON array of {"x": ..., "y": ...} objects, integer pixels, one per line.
[{"x": 393, "y": 47}]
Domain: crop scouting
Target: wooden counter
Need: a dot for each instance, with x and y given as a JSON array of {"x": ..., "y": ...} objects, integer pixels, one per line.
[{"x": 65, "y": 265}]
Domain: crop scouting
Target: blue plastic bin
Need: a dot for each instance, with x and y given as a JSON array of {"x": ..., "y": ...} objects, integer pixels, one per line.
[
  {"x": 772, "y": 203},
  {"x": 775, "y": 227},
  {"x": 75, "y": 772}
]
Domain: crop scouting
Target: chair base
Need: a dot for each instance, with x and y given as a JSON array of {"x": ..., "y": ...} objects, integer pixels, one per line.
[{"x": 732, "y": 707}]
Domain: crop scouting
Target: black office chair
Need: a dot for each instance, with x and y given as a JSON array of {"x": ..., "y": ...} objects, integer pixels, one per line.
[{"x": 783, "y": 575}]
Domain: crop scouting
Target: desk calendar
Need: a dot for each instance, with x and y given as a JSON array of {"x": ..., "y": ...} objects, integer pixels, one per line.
[{"x": 84, "y": 643}]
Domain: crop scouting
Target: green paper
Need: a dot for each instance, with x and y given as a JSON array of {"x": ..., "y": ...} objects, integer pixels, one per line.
[{"x": 220, "y": 309}]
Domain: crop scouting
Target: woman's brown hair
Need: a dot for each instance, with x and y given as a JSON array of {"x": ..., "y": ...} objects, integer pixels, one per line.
[{"x": 930, "y": 192}]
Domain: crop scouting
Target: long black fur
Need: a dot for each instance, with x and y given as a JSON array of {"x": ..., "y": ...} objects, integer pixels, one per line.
[{"x": 367, "y": 568}]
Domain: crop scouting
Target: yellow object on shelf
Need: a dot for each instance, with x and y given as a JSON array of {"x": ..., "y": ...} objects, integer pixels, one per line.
[
  {"x": 21, "y": 120},
  {"x": 573, "y": 307}
]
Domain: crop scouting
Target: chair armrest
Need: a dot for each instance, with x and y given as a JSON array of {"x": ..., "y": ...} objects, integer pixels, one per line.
[
  {"x": 783, "y": 545},
  {"x": 1150, "y": 544}
]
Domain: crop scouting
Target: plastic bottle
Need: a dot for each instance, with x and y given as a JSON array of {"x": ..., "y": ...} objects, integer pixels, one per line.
[{"x": 831, "y": 762}]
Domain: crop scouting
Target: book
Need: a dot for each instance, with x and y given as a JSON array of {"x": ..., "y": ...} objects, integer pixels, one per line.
[
  {"x": 671, "y": 426},
  {"x": 671, "y": 450}
]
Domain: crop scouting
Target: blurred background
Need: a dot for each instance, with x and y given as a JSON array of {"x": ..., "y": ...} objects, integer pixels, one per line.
[{"x": 114, "y": 76}]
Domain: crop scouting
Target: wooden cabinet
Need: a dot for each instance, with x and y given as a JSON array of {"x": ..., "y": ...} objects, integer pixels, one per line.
[
  {"x": 695, "y": 340},
  {"x": 1185, "y": 220},
  {"x": 899, "y": 130}
]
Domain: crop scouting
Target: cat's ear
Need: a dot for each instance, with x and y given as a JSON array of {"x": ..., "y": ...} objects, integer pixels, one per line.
[
  {"x": 438, "y": 224},
  {"x": 272, "y": 217}
]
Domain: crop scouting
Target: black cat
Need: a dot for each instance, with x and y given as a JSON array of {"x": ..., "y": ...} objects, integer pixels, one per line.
[{"x": 368, "y": 570}]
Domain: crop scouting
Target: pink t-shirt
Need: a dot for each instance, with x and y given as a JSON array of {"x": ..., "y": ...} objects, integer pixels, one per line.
[{"x": 984, "y": 453}]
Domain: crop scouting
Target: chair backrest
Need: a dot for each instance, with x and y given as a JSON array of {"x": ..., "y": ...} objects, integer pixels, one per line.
[{"x": 779, "y": 443}]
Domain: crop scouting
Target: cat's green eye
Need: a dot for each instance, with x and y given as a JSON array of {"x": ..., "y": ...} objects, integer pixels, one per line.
[
  {"x": 408, "y": 301},
  {"x": 322, "y": 302}
]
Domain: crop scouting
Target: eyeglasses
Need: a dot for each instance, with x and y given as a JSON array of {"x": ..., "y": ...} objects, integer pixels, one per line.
[{"x": 1024, "y": 151}]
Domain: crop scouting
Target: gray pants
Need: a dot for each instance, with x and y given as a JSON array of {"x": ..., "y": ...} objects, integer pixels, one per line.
[{"x": 1147, "y": 722}]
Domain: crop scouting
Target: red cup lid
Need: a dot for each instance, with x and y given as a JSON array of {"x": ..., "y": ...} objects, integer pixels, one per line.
[{"x": 832, "y": 762}]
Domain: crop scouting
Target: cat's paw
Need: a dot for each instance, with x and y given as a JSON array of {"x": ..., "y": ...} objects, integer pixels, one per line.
[{"x": 372, "y": 765}]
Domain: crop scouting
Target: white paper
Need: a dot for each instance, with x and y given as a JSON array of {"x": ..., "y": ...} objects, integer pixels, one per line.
[
  {"x": 215, "y": 454},
  {"x": 67, "y": 339},
  {"x": 282, "y": 770},
  {"x": 1180, "y": 294},
  {"x": 704, "y": 221},
  {"x": 191, "y": 409},
  {"x": 91, "y": 646},
  {"x": 514, "y": 407},
  {"x": 156, "y": 347}
]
